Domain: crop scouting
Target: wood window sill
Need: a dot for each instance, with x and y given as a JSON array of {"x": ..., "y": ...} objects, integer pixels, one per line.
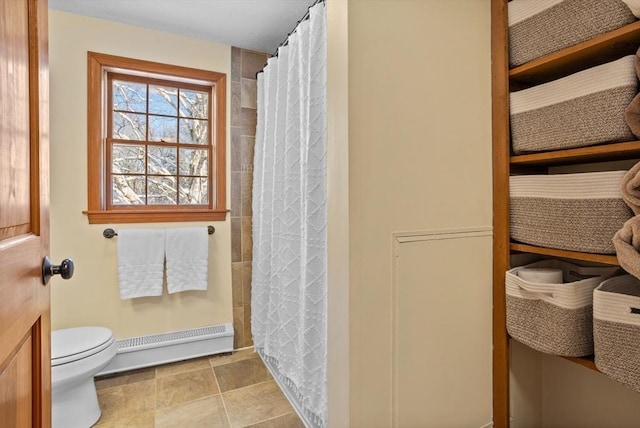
[{"x": 164, "y": 216}]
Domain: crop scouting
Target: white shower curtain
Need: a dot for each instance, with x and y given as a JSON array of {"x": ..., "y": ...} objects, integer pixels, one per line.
[{"x": 289, "y": 284}]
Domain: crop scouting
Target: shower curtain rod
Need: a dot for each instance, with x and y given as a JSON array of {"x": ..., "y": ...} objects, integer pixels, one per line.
[{"x": 285, "y": 42}]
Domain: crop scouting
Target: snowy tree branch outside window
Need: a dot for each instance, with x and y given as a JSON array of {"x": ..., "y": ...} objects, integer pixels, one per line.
[{"x": 159, "y": 143}]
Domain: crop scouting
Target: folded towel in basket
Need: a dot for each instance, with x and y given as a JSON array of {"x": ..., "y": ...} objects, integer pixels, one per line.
[
  {"x": 187, "y": 252},
  {"x": 627, "y": 244},
  {"x": 630, "y": 187},
  {"x": 140, "y": 262}
]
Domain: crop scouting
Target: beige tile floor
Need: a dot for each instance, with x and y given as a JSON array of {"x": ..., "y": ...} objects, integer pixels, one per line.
[{"x": 221, "y": 391}]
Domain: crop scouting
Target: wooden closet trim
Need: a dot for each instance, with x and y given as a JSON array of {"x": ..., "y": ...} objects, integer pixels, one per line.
[{"x": 501, "y": 152}]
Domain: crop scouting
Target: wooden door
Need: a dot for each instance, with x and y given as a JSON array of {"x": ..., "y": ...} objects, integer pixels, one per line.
[{"x": 25, "y": 364}]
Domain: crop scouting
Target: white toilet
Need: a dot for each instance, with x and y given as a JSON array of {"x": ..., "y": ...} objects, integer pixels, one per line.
[{"x": 77, "y": 354}]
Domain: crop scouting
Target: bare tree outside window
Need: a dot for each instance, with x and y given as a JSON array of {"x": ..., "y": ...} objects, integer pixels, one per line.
[{"x": 159, "y": 139}]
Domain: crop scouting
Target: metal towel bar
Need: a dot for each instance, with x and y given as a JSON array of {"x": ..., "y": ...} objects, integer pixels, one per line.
[{"x": 110, "y": 233}]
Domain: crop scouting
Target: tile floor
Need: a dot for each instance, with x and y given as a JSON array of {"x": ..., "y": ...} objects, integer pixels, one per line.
[{"x": 231, "y": 391}]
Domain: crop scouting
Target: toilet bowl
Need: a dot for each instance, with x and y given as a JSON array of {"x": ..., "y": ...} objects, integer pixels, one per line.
[{"x": 77, "y": 354}]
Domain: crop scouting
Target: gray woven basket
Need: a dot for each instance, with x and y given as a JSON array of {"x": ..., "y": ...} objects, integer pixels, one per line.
[
  {"x": 565, "y": 24},
  {"x": 549, "y": 328},
  {"x": 616, "y": 329},
  {"x": 583, "y": 109},
  {"x": 576, "y": 212},
  {"x": 586, "y": 121},
  {"x": 554, "y": 318}
]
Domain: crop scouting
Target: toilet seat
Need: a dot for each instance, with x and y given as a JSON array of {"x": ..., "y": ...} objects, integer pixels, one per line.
[{"x": 73, "y": 344}]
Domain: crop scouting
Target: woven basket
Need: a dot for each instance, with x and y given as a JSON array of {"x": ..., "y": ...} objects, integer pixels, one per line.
[
  {"x": 575, "y": 212},
  {"x": 616, "y": 329},
  {"x": 583, "y": 109},
  {"x": 537, "y": 29},
  {"x": 554, "y": 318}
]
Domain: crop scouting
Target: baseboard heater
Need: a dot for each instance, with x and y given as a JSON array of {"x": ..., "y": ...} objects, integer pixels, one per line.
[{"x": 146, "y": 351}]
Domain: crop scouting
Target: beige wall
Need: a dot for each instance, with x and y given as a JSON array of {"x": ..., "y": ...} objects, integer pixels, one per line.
[
  {"x": 338, "y": 213},
  {"x": 525, "y": 386},
  {"x": 577, "y": 397},
  {"x": 551, "y": 392},
  {"x": 419, "y": 160},
  {"x": 91, "y": 296}
]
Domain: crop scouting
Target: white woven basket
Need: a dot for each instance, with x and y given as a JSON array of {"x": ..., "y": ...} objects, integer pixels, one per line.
[
  {"x": 554, "y": 318},
  {"x": 583, "y": 109},
  {"x": 538, "y": 28},
  {"x": 575, "y": 212},
  {"x": 616, "y": 329}
]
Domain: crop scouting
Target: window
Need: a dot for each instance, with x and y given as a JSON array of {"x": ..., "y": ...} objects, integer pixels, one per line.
[{"x": 156, "y": 142}]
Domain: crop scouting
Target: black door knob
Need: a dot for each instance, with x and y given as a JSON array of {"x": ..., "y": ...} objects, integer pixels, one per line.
[{"x": 64, "y": 269}]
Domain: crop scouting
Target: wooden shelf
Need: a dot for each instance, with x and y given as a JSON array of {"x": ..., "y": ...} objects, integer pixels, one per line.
[
  {"x": 584, "y": 361},
  {"x": 575, "y": 255},
  {"x": 596, "y": 51},
  {"x": 606, "y": 152},
  {"x": 599, "y": 50},
  {"x": 587, "y": 362}
]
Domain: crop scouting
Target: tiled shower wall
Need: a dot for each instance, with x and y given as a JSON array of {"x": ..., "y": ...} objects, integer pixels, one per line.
[{"x": 244, "y": 66}]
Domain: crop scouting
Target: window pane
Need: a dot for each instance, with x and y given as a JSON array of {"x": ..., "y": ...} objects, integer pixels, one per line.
[
  {"x": 163, "y": 128},
  {"x": 194, "y": 191},
  {"x": 129, "y": 126},
  {"x": 163, "y": 100},
  {"x": 162, "y": 191},
  {"x": 194, "y": 162},
  {"x": 127, "y": 159},
  {"x": 194, "y": 131},
  {"x": 127, "y": 190},
  {"x": 194, "y": 104},
  {"x": 129, "y": 96},
  {"x": 162, "y": 160}
]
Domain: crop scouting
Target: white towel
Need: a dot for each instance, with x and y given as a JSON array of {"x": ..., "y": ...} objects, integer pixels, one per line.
[
  {"x": 187, "y": 253},
  {"x": 140, "y": 262}
]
